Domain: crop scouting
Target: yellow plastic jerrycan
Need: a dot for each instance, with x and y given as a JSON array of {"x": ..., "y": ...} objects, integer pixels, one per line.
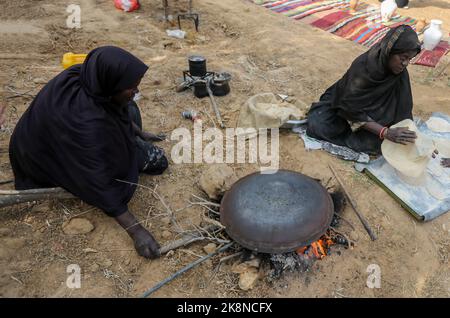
[{"x": 70, "y": 59}]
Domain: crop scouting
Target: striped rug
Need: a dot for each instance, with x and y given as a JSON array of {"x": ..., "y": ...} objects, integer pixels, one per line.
[{"x": 363, "y": 26}]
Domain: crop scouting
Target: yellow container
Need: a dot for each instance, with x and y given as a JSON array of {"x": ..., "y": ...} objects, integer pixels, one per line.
[{"x": 70, "y": 59}]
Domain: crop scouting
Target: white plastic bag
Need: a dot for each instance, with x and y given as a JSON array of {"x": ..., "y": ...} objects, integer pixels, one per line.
[{"x": 179, "y": 34}]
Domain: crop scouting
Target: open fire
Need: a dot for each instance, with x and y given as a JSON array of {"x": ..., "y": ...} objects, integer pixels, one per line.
[{"x": 320, "y": 248}]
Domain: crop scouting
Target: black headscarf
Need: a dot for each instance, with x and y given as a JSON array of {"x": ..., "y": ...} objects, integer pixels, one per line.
[
  {"x": 73, "y": 136},
  {"x": 369, "y": 90}
]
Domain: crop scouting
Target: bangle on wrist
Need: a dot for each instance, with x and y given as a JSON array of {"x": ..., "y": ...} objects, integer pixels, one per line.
[{"x": 383, "y": 132}]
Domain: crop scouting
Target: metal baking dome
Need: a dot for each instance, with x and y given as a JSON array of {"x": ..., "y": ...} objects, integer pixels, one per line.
[{"x": 276, "y": 213}]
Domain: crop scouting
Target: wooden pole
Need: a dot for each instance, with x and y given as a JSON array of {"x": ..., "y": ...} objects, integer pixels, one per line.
[
  {"x": 354, "y": 206},
  {"x": 11, "y": 197}
]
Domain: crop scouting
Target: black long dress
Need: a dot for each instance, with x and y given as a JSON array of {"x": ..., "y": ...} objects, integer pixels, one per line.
[
  {"x": 74, "y": 137},
  {"x": 368, "y": 91}
]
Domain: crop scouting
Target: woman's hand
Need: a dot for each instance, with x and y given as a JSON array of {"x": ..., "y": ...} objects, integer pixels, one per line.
[
  {"x": 400, "y": 135},
  {"x": 144, "y": 242}
]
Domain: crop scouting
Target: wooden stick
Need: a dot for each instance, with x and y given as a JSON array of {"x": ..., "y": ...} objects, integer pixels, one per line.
[
  {"x": 206, "y": 201},
  {"x": 185, "y": 269},
  {"x": 185, "y": 240},
  {"x": 226, "y": 258},
  {"x": 33, "y": 191},
  {"x": 11, "y": 197},
  {"x": 354, "y": 206}
]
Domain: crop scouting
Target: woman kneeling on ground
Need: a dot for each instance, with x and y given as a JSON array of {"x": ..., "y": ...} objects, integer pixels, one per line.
[
  {"x": 83, "y": 132},
  {"x": 374, "y": 94}
]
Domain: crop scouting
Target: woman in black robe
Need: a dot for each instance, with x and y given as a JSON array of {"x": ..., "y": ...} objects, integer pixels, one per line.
[
  {"x": 374, "y": 94},
  {"x": 83, "y": 133}
]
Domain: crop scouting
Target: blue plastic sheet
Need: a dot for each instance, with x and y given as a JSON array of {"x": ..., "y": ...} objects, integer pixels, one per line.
[{"x": 416, "y": 199}]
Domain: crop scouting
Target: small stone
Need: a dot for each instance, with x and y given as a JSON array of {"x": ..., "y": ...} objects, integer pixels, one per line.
[
  {"x": 159, "y": 58},
  {"x": 77, "y": 226},
  {"x": 40, "y": 80},
  {"x": 239, "y": 268},
  {"x": 216, "y": 180},
  {"x": 166, "y": 234},
  {"x": 254, "y": 262},
  {"x": 248, "y": 279},
  {"x": 5, "y": 232},
  {"x": 90, "y": 250},
  {"x": 210, "y": 248}
]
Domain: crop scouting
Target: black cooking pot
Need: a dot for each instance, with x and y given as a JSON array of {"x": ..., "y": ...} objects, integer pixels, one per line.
[
  {"x": 200, "y": 90},
  {"x": 276, "y": 213},
  {"x": 197, "y": 66},
  {"x": 220, "y": 85}
]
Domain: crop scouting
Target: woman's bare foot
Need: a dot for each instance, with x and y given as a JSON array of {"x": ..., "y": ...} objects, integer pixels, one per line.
[{"x": 144, "y": 243}]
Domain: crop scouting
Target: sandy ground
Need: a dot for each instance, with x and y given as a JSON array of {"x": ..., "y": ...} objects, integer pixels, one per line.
[{"x": 264, "y": 52}]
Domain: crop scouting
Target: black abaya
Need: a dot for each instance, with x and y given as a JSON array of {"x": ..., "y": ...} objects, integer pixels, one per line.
[
  {"x": 367, "y": 92},
  {"x": 75, "y": 137}
]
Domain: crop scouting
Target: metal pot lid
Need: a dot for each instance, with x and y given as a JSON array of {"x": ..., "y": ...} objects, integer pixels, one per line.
[
  {"x": 196, "y": 58},
  {"x": 222, "y": 77},
  {"x": 276, "y": 213}
]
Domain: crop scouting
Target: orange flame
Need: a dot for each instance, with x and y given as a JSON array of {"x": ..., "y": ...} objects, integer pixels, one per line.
[{"x": 318, "y": 249}]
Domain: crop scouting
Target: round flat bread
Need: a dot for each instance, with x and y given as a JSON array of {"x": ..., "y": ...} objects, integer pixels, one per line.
[
  {"x": 443, "y": 146},
  {"x": 411, "y": 159},
  {"x": 438, "y": 124}
]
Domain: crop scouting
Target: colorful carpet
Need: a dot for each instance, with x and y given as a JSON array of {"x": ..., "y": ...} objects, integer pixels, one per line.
[{"x": 363, "y": 26}]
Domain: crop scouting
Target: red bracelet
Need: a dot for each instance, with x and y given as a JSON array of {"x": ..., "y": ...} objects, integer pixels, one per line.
[{"x": 383, "y": 130}]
